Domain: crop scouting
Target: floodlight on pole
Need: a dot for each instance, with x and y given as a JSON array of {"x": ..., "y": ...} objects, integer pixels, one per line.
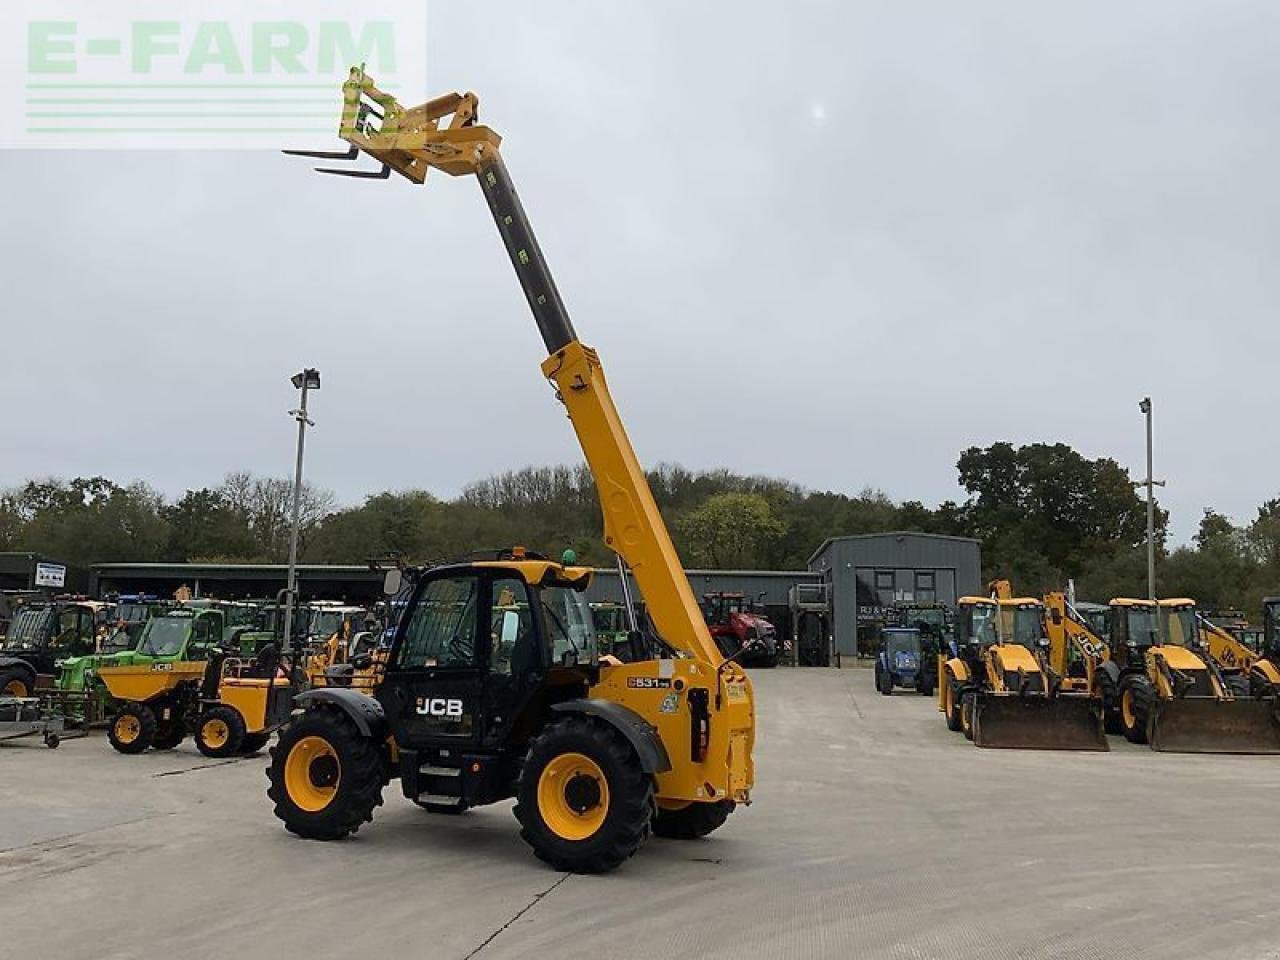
[{"x": 307, "y": 380}]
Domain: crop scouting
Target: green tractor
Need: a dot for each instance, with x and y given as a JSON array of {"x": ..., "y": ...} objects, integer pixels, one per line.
[{"x": 179, "y": 634}]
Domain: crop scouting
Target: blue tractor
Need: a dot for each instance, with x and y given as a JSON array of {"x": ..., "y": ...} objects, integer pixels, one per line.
[{"x": 903, "y": 660}]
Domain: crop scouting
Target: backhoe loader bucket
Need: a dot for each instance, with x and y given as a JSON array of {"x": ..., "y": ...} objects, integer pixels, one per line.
[
  {"x": 1039, "y": 723},
  {"x": 1205, "y": 725}
]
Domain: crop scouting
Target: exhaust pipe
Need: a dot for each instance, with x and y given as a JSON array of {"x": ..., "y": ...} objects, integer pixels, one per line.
[{"x": 1039, "y": 723}]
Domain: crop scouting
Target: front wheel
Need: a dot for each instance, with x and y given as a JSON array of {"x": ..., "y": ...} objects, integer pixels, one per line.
[
  {"x": 15, "y": 682},
  {"x": 326, "y": 777},
  {"x": 133, "y": 728},
  {"x": 968, "y": 705},
  {"x": 689, "y": 821},
  {"x": 1136, "y": 700},
  {"x": 952, "y": 696},
  {"x": 583, "y": 801},
  {"x": 220, "y": 732}
]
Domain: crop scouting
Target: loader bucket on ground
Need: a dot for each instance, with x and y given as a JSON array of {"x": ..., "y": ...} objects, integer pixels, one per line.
[
  {"x": 1205, "y": 725},
  {"x": 1039, "y": 723}
]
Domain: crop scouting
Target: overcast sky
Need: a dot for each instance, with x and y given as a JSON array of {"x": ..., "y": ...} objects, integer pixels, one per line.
[{"x": 832, "y": 242}]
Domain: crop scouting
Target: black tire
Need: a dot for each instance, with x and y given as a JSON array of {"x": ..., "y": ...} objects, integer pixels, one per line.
[
  {"x": 253, "y": 742},
  {"x": 16, "y": 682},
  {"x": 691, "y": 821},
  {"x": 1106, "y": 691},
  {"x": 1260, "y": 688},
  {"x": 1137, "y": 699},
  {"x": 968, "y": 705},
  {"x": 955, "y": 696},
  {"x": 169, "y": 733},
  {"x": 132, "y": 729},
  {"x": 884, "y": 682},
  {"x": 353, "y": 781},
  {"x": 628, "y": 792},
  {"x": 219, "y": 732},
  {"x": 924, "y": 683}
]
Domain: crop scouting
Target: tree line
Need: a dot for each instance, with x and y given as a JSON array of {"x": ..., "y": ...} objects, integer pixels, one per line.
[{"x": 1044, "y": 513}]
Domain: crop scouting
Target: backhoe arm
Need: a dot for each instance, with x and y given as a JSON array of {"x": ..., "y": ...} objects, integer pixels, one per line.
[{"x": 444, "y": 133}]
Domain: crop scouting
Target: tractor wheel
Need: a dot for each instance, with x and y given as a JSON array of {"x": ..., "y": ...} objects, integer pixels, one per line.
[
  {"x": 169, "y": 733},
  {"x": 968, "y": 704},
  {"x": 326, "y": 777},
  {"x": 133, "y": 728},
  {"x": 220, "y": 732},
  {"x": 951, "y": 705},
  {"x": 1136, "y": 700},
  {"x": 583, "y": 802},
  {"x": 1105, "y": 690},
  {"x": 15, "y": 682},
  {"x": 1260, "y": 688},
  {"x": 884, "y": 682},
  {"x": 253, "y": 742},
  {"x": 689, "y": 821},
  {"x": 924, "y": 683}
]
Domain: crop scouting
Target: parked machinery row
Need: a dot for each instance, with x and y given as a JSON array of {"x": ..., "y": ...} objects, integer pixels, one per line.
[{"x": 1025, "y": 672}]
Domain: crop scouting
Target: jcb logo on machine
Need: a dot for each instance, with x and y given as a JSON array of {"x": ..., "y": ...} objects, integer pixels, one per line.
[
  {"x": 162, "y": 668},
  {"x": 439, "y": 707},
  {"x": 649, "y": 683}
]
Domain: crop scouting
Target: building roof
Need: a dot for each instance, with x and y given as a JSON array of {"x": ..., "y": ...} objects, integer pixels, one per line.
[{"x": 888, "y": 533}]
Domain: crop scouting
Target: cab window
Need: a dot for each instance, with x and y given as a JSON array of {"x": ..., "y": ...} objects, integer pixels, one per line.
[
  {"x": 511, "y": 635},
  {"x": 442, "y": 632}
]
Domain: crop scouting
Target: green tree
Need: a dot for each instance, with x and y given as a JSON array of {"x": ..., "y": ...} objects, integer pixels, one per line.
[{"x": 729, "y": 530}]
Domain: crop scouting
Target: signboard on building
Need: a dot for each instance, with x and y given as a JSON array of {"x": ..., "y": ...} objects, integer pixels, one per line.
[{"x": 51, "y": 575}]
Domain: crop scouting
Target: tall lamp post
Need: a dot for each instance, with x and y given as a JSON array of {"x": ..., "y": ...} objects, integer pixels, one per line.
[
  {"x": 1150, "y": 483},
  {"x": 308, "y": 379}
]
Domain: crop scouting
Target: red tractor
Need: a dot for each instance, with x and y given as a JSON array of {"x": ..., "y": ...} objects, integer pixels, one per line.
[{"x": 735, "y": 623}]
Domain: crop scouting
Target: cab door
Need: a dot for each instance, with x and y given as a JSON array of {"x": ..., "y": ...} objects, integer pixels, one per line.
[{"x": 433, "y": 688}]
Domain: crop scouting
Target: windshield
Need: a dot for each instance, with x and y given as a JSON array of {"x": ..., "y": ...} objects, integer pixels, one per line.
[
  {"x": 1022, "y": 625},
  {"x": 984, "y": 624},
  {"x": 569, "y": 623},
  {"x": 1143, "y": 631},
  {"x": 29, "y": 625},
  {"x": 325, "y": 623},
  {"x": 608, "y": 619},
  {"x": 164, "y": 636},
  {"x": 902, "y": 641},
  {"x": 1180, "y": 628},
  {"x": 132, "y": 612}
]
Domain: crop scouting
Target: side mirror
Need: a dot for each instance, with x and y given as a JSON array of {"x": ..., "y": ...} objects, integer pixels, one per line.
[{"x": 392, "y": 582}]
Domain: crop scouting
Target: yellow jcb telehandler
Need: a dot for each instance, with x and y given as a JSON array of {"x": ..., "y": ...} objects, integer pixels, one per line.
[
  {"x": 999, "y": 686},
  {"x": 493, "y": 686}
]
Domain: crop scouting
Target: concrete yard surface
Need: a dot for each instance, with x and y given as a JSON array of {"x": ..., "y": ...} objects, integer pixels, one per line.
[{"x": 874, "y": 833}]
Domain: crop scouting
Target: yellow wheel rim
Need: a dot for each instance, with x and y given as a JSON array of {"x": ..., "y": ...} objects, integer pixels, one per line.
[
  {"x": 312, "y": 773},
  {"x": 15, "y": 688},
  {"x": 573, "y": 796},
  {"x": 215, "y": 733},
  {"x": 1127, "y": 713},
  {"x": 127, "y": 728}
]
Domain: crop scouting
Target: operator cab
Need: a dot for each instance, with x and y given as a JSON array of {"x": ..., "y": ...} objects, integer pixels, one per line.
[{"x": 481, "y": 651}]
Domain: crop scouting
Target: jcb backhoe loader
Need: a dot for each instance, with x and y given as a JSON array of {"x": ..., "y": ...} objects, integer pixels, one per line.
[
  {"x": 1168, "y": 690},
  {"x": 1249, "y": 673},
  {"x": 1000, "y": 687},
  {"x": 492, "y": 687}
]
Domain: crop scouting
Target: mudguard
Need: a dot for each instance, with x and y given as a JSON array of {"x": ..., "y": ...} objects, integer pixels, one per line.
[
  {"x": 18, "y": 662},
  {"x": 365, "y": 712},
  {"x": 641, "y": 734}
]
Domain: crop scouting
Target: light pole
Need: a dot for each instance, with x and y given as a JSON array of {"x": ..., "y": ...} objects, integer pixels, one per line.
[
  {"x": 1150, "y": 483},
  {"x": 308, "y": 379}
]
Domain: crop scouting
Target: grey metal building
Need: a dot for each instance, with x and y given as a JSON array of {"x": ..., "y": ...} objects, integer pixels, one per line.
[{"x": 867, "y": 573}]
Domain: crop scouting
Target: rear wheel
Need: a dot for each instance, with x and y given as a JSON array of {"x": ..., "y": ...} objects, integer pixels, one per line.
[
  {"x": 951, "y": 705},
  {"x": 169, "y": 733},
  {"x": 884, "y": 682},
  {"x": 1136, "y": 699},
  {"x": 1260, "y": 688},
  {"x": 1238, "y": 684},
  {"x": 15, "y": 682},
  {"x": 220, "y": 732},
  {"x": 133, "y": 728},
  {"x": 968, "y": 704},
  {"x": 583, "y": 801},
  {"x": 688, "y": 821},
  {"x": 1106, "y": 691},
  {"x": 326, "y": 777}
]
